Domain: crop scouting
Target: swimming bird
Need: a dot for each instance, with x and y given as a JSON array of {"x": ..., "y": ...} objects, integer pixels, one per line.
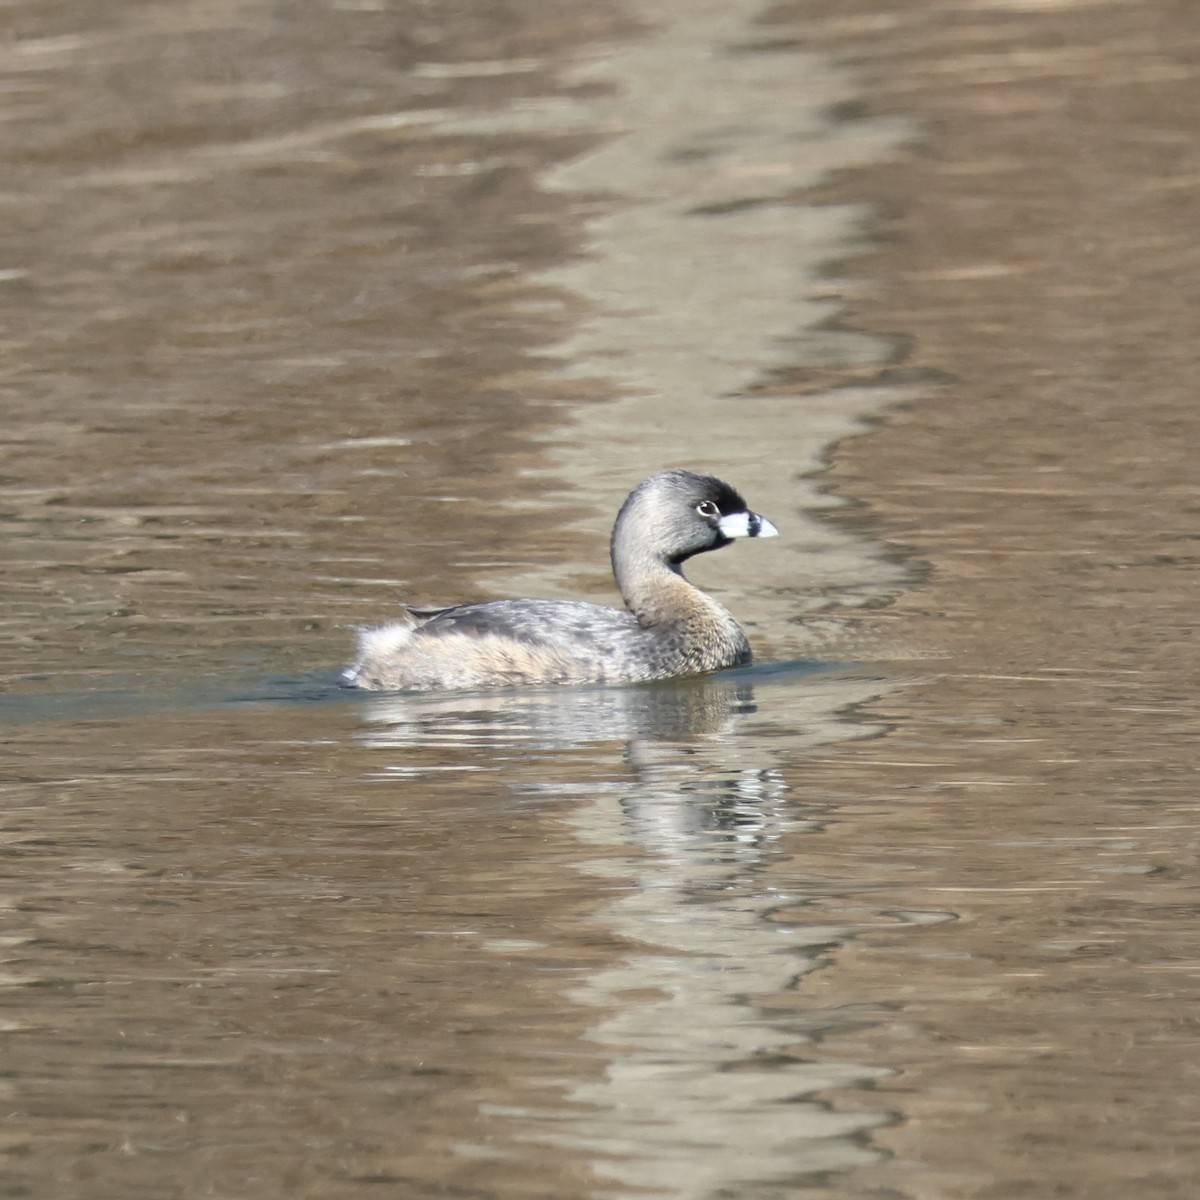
[{"x": 668, "y": 627}]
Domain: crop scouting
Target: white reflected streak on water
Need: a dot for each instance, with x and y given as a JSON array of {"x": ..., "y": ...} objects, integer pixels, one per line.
[
  {"x": 704, "y": 1090},
  {"x": 703, "y": 274}
]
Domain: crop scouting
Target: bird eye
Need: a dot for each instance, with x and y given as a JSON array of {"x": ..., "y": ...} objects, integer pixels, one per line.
[{"x": 706, "y": 508}]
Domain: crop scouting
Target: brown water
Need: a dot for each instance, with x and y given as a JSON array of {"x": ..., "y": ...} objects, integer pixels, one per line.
[{"x": 305, "y": 308}]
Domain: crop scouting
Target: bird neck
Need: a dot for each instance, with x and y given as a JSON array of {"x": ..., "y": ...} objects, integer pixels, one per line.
[{"x": 654, "y": 589}]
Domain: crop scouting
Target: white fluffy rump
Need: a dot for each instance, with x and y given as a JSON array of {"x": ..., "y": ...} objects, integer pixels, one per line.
[{"x": 377, "y": 647}]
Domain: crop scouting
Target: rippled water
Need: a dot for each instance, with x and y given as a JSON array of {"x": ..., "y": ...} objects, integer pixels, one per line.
[{"x": 309, "y": 308}]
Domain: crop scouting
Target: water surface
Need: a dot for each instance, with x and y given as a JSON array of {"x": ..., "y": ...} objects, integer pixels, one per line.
[{"x": 308, "y": 310}]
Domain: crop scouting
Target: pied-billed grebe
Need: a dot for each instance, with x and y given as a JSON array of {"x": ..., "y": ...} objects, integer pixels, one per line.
[{"x": 671, "y": 628}]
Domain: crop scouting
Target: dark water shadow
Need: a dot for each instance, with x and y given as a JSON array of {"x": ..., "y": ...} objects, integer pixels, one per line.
[
  {"x": 640, "y": 704},
  {"x": 141, "y": 696}
]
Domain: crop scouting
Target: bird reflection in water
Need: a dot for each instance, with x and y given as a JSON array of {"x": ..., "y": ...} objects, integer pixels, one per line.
[{"x": 681, "y": 791}]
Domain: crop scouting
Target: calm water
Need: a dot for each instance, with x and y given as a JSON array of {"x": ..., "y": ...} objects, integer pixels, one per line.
[{"x": 307, "y": 308}]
